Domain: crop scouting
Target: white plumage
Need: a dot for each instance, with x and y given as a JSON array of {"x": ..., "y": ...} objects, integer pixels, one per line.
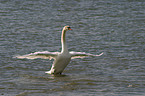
[{"x": 61, "y": 59}]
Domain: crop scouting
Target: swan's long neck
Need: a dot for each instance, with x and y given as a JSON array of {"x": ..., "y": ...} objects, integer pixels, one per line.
[{"x": 63, "y": 42}]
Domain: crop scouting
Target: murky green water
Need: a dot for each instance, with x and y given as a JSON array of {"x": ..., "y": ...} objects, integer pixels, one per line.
[{"x": 115, "y": 27}]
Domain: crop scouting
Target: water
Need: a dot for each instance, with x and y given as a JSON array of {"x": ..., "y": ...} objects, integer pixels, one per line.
[{"x": 115, "y": 27}]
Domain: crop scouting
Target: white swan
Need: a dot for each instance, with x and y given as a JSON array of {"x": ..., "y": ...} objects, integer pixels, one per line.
[{"x": 61, "y": 59}]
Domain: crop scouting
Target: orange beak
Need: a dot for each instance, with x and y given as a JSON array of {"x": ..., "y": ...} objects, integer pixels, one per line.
[{"x": 69, "y": 29}]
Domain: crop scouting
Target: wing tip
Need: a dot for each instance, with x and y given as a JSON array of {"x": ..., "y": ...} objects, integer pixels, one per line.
[{"x": 100, "y": 54}]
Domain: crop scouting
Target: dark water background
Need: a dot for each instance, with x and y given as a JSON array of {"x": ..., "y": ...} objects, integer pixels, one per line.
[{"x": 115, "y": 27}]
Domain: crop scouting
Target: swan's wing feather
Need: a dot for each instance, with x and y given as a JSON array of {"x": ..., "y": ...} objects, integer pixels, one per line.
[
  {"x": 42, "y": 55},
  {"x": 81, "y": 55}
]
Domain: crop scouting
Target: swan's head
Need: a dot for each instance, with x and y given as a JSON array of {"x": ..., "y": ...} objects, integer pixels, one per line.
[{"x": 66, "y": 28}]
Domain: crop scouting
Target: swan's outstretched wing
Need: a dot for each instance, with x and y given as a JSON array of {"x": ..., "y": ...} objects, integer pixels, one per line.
[
  {"x": 42, "y": 55},
  {"x": 81, "y": 55}
]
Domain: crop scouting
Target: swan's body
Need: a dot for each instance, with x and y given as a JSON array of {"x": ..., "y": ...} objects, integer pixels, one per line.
[{"x": 61, "y": 59}]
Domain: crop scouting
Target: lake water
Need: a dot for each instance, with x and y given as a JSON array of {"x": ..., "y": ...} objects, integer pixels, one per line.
[{"x": 114, "y": 27}]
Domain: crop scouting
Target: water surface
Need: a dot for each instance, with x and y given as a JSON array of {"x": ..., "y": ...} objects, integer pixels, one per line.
[{"x": 113, "y": 27}]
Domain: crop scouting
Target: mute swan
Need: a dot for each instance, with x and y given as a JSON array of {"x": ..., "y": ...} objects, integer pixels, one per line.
[{"x": 61, "y": 59}]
